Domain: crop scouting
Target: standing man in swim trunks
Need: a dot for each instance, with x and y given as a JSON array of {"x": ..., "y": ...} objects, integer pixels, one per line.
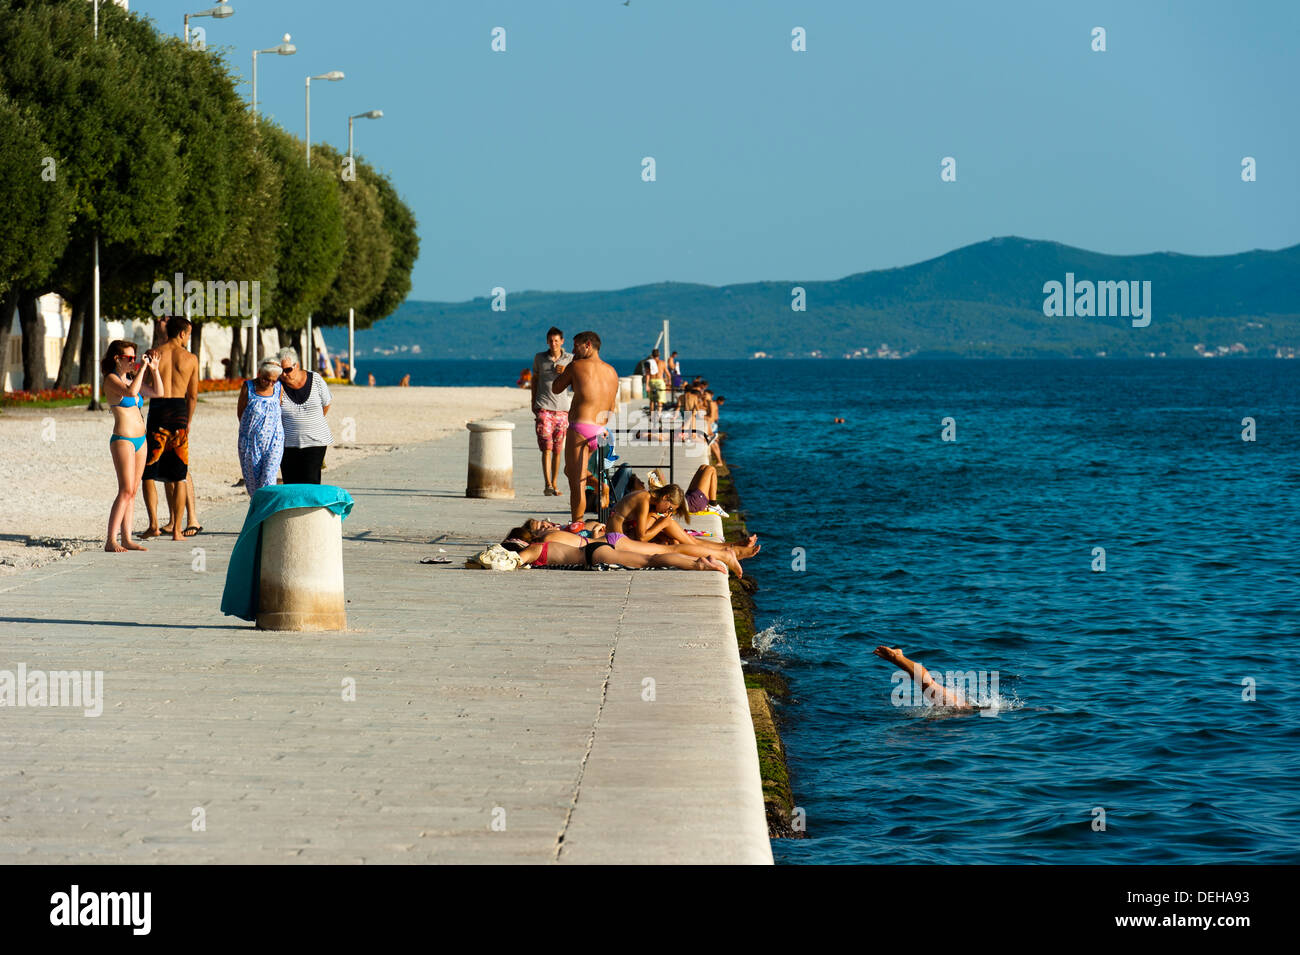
[
  {"x": 167, "y": 431},
  {"x": 551, "y": 410},
  {"x": 595, "y": 395},
  {"x": 654, "y": 382}
]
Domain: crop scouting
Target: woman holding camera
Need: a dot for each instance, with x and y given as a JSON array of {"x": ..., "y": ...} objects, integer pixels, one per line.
[{"x": 125, "y": 389}]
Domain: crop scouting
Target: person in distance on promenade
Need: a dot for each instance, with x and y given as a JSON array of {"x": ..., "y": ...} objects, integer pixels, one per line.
[
  {"x": 595, "y": 395},
  {"x": 550, "y": 411},
  {"x": 124, "y": 383}
]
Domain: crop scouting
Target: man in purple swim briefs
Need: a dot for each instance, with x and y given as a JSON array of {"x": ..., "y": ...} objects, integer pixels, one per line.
[{"x": 595, "y": 395}]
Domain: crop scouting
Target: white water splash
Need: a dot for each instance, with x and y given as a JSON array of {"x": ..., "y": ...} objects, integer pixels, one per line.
[{"x": 773, "y": 637}]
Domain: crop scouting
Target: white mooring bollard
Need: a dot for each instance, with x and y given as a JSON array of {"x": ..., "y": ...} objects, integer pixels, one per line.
[
  {"x": 625, "y": 389},
  {"x": 301, "y": 571},
  {"x": 638, "y": 388},
  {"x": 491, "y": 459}
]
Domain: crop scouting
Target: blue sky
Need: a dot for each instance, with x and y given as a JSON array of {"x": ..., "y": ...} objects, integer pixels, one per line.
[{"x": 524, "y": 167}]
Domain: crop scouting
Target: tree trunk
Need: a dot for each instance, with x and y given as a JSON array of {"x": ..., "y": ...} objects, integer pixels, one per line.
[
  {"x": 236, "y": 354},
  {"x": 29, "y": 320},
  {"x": 72, "y": 350},
  {"x": 8, "y": 302},
  {"x": 196, "y": 344},
  {"x": 89, "y": 360}
]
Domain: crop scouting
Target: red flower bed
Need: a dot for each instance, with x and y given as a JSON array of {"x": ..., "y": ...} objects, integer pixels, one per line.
[
  {"x": 46, "y": 394},
  {"x": 220, "y": 384}
]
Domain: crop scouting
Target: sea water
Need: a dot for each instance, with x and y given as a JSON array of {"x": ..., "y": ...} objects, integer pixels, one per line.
[{"x": 1148, "y": 712}]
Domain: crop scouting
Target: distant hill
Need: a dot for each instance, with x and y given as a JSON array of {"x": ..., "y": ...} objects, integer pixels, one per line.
[{"x": 983, "y": 300}]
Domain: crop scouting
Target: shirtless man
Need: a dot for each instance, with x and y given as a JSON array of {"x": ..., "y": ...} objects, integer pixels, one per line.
[
  {"x": 595, "y": 395},
  {"x": 168, "y": 428}
]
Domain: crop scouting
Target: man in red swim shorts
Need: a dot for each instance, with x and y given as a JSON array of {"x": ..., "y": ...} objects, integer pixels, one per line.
[{"x": 551, "y": 410}]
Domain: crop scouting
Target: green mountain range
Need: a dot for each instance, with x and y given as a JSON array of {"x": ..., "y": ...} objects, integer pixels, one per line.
[{"x": 983, "y": 300}]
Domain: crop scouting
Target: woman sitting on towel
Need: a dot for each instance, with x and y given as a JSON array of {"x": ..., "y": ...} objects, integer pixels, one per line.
[
  {"x": 535, "y": 532},
  {"x": 548, "y": 554},
  {"x": 651, "y": 516}
]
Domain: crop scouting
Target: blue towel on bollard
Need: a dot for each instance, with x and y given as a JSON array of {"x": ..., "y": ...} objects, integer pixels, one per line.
[{"x": 240, "y": 596}]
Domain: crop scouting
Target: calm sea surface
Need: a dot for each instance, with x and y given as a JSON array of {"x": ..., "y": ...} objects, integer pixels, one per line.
[{"x": 1120, "y": 690}]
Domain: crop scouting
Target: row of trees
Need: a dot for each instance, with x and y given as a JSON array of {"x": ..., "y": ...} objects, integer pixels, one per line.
[{"x": 140, "y": 142}]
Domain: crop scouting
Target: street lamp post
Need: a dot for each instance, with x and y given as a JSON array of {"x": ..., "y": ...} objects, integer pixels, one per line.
[
  {"x": 369, "y": 114},
  {"x": 218, "y": 12},
  {"x": 94, "y": 279},
  {"x": 333, "y": 76},
  {"x": 284, "y": 49},
  {"x": 352, "y": 312}
]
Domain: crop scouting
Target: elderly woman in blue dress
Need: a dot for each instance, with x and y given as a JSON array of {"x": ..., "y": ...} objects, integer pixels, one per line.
[{"x": 261, "y": 430}]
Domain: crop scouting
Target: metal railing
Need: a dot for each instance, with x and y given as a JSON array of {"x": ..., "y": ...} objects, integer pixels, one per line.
[{"x": 601, "y": 447}]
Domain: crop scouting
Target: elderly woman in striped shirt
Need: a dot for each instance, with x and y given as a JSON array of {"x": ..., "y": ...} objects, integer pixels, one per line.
[{"x": 306, "y": 433}]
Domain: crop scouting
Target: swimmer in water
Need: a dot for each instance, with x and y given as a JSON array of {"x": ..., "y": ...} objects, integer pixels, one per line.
[{"x": 932, "y": 689}]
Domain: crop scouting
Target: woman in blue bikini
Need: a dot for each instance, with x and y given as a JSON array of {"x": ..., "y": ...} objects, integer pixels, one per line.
[{"x": 123, "y": 387}]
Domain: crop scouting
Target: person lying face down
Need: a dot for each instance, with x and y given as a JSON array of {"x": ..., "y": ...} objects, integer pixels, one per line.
[
  {"x": 560, "y": 553},
  {"x": 537, "y": 532},
  {"x": 652, "y": 516}
]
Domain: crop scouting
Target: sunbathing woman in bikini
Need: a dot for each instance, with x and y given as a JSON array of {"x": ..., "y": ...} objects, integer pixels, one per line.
[
  {"x": 547, "y": 553},
  {"x": 535, "y": 531},
  {"x": 651, "y": 516}
]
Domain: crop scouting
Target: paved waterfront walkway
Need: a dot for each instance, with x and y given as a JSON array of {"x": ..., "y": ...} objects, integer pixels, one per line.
[{"x": 481, "y": 697}]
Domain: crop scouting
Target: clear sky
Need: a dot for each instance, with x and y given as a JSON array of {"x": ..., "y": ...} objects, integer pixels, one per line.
[{"x": 524, "y": 167}]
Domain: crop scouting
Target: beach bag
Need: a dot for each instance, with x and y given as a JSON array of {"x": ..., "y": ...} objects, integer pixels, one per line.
[{"x": 497, "y": 557}]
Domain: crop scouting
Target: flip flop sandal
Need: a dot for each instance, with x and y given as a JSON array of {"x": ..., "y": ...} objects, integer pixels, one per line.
[
  {"x": 191, "y": 530},
  {"x": 435, "y": 560}
]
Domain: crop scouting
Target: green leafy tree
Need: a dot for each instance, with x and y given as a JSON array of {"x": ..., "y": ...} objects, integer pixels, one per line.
[
  {"x": 37, "y": 211},
  {"x": 368, "y": 251},
  {"x": 229, "y": 194},
  {"x": 309, "y": 232},
  {"x": 399, "y": 222},
  {"x": 95, "y": 104}
]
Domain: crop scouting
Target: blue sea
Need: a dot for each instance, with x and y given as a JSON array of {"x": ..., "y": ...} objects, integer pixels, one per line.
[{"x": 1163, "y": 690}]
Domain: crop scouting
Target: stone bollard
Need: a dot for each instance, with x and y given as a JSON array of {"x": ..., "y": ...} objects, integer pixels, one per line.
[
  {"x": 638, "y": 388},
  {"x": 491, "y": 459},
  {"x": 625, "y": 389},
  {"x": 301, "y": 571}
]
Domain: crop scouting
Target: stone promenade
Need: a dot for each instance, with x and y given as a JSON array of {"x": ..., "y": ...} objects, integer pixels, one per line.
[{"x": 535, "y": 716}]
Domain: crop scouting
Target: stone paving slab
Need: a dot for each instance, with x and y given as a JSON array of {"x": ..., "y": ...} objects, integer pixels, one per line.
[{"x": 516, "y": 698}]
